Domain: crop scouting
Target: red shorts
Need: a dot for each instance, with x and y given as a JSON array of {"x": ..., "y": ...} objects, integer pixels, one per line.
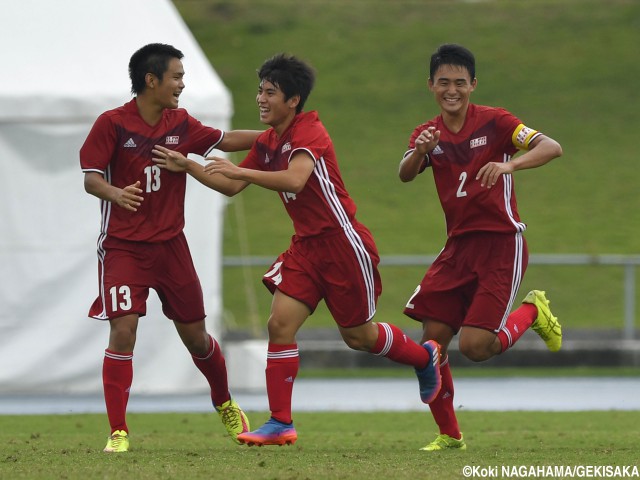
[
  {"x": 127, "y": 270},
  {"x": 341, "y": 268},
  {"x": 473, "y": 282}
]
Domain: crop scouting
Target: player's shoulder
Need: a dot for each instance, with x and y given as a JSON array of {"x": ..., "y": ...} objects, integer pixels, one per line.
[
  {"x": 309, "y": 119},
  {"x": 488, "y": 111},
  {"x": 308, "y": 124},
  {"x": 118, "y": 114},
  {"x": 174, "y": 115},
  {"x": 429, "y": 123}
]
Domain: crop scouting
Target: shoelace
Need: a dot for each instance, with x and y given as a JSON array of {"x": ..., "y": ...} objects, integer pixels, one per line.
[
  {"x": 545, "y": 333},
  {"x": 228, "y": 417}
]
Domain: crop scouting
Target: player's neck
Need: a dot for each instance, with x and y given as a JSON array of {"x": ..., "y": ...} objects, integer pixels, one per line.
[
  {"x": 454, "y": 122},
  {"x": 281, "y": 127},
  {"x": 150, "y": 111}
]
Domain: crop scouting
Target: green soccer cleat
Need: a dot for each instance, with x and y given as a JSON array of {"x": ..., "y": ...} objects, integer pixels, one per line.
[
  {"x": 445, "y": 442},
  {"x": 545, "y": 324},
  {"x": 233, "y": 419},
  {"x": 118, "y": 442}
]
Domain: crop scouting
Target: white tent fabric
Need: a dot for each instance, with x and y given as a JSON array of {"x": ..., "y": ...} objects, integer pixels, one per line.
[{"x": 65, "y": 62}]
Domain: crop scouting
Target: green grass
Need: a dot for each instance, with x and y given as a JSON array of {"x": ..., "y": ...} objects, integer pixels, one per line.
[
  {"x": 331, "y": 446},
  {"x": 564, "y": 67}
]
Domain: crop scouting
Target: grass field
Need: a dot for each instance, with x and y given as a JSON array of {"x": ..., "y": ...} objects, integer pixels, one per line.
[
  {"x": 561, "y": 66},
  {"x": 330, "y": 446}
]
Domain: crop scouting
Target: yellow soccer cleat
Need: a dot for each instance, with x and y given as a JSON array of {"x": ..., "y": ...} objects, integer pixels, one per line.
[
  {"x": 233, "y": 419},
  {"x": 545, "y": 324},
  {"x": 445, "y": 442},
  {"x": 118, "y": 442}
]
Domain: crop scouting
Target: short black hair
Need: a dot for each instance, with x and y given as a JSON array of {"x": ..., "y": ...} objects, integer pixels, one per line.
[
  {"x": 452, "y": 54},
  {"x": 289, "y": 74},
  {"x": 152, "y": 58}
]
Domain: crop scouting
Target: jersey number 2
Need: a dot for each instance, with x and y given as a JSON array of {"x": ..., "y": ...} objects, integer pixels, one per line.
[{"x": 461, "y": 191}]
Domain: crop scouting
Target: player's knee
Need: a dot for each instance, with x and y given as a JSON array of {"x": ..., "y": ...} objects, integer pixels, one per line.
[
  {"x": 356, "y": 343},
  {"x": 362, "y": 338},
  {"x": 476, "y": 352},
  {"x": 122, "y": 340}
]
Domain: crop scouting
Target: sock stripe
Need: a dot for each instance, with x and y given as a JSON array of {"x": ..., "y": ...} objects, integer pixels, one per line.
[
  {"x": 291, "y": 353},
  {"x": 118, "y": 356},
  {"x": 507, "y": 334},
  {"x": 388, "y": 339},
  {"x": 212, "y": 349}
]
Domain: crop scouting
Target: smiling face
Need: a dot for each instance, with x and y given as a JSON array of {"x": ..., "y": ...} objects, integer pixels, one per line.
[
  {"x": 274, "y": 109},
  {"x": 452, "y": 86},
  {"x": 166, "y": 91}
]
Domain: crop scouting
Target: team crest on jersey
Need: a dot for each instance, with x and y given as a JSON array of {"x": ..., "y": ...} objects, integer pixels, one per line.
[
  {"x": 172, "y": 140},
  {"x": 286, "y": 147},
  {"x": 437, "y": 151},
  {"x": 478, "y": 142}
]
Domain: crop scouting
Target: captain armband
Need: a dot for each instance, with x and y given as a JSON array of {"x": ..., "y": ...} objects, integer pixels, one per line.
[{"x": 522, "y": 136}]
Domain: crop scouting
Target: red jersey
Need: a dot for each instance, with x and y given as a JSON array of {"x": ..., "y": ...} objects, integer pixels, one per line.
[
  {"x": 119, "y": 147},
  {"x": 323, "y": 204},
  {"x": 489, "y": 135}
]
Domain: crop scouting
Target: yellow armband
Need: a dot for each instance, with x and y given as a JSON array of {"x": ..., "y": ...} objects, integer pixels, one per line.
[{"x": 522, "y": 136}]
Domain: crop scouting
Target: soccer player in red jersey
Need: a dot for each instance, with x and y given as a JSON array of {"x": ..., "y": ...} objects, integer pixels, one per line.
[
  {"x": 472, "y": 285},
  {"x": 332, "y": 256},
  {"x": 141, "y": 243}
]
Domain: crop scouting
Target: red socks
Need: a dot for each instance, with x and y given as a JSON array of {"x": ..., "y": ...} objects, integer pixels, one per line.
[
  {"x": 394, "y": 344},
  {"x": 117, "y": 374},
  {"x": 517, "y": 323},
  {"x": 214, "y": 368},
  {"x": 442, "y": 407},
  {"x": 283, "y": 362}
]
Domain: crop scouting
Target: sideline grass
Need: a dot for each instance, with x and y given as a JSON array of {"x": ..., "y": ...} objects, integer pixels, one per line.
[{"x": 330, "y": 446}]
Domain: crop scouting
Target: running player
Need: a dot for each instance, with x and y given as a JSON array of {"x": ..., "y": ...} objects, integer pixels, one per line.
[
  {"x": 332, "y": 256},
  {"x": 141, "y": 243},
  {"x": 472, "y": 285}
]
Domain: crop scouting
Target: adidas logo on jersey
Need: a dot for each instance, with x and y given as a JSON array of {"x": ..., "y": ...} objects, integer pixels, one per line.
[
  {"x": 437, "y": 151},
  {"x": 130, "y": 144}
]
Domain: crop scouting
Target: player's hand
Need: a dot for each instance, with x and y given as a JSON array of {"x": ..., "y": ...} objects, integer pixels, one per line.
[
  {"x": 489, "y": 173},
  {"x": 427, "y": 140},
  {"x": 129, "y": 197},
  {"x": 222, "y": 166},
  {"x": 169, "y": 159}
]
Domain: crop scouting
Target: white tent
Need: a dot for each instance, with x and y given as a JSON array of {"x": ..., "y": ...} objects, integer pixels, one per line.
[{"x": 64, "y": 63}]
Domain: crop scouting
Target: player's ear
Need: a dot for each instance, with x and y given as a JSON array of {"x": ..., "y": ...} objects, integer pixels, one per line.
[
  {"x": 294, "y": 101},
  {"x": 150, "y": 80}
]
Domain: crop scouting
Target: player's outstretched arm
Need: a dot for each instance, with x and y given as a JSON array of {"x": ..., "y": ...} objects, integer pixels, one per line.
[
  {"x": 237, "y": 140},
  {"x": 291, "y": 180},
  {"x": 177, "y": 162},
  {"x": 128, "y": 197}
]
